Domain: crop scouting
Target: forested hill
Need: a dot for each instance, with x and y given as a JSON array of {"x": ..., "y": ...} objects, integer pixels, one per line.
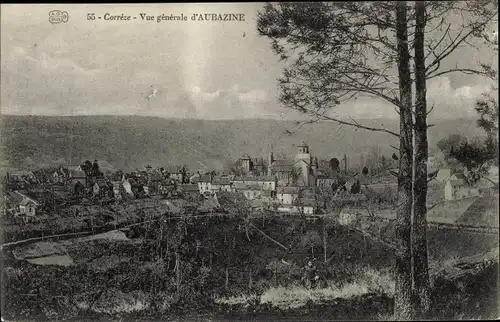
[{"x": 129, "y": 142}]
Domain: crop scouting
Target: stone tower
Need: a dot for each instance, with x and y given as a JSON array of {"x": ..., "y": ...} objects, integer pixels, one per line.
[
  {"x": 303, "y": 153},
  {"x": 270, "y": 160},
  {"x": 246, "y": 163}
]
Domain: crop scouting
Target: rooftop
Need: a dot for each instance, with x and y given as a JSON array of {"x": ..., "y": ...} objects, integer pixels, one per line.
[
  {"x": 246, "y": 186},
  {"x": 308, "y": 202},
  {"x": 257, "y": 179},
  {"x": 324, "y": 177},
  {"x": 448, "y": 212},
  {"x": 282, "y": 165},
  {"x": 205, "y": 178},
  {"x": 482, "y": 212},
  {"x": 221, "y": 180},
  {"x": 189, "y": 187},
  {"x": 27, "y": 201},
  {"x": 173, "y": 169},
  {"x": 288, "y": 190}
]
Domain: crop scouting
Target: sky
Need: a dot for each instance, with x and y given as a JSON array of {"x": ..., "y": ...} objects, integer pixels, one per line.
[{"x": 197, "y": 69}]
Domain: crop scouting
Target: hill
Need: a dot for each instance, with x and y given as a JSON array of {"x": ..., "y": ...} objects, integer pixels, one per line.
[{"x": 129, "y": 142}]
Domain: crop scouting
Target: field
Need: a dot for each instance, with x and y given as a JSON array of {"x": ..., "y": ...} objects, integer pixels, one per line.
[{"x": 224, "y": 268}]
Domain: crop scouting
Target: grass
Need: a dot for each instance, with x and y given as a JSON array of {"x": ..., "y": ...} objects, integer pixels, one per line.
[
  {"x": 115, "y": 302},
  {"x": 368, "y": 281}
]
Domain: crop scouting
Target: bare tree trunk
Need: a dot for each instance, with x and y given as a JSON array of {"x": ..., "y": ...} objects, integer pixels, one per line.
[
  {"x": 227, "y": 279},
  {"x": 324, "y": 244},
  {"x": 178, "y": 272},
  {"x": 167, "y": 253},
  {"x": 419, "y": 234},
  {"x": 364, "y": 244},
  {"x": 402, "y": 298},
  {"x": 159, "y": 241}
]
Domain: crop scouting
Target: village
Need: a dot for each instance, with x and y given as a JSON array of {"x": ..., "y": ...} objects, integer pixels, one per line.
[
  {"x": 295, "y": 211},
  {"x": 305, "y": 161},
  {"x": 301, "y": 185}
]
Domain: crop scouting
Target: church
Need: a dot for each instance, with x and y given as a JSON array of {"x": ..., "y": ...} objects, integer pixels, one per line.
[{"x": 301, "y": 171}]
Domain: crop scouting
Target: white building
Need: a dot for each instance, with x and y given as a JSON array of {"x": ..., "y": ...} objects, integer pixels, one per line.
[
  {"x": 456, "y": 188},
  {"x": 287, "y": 195},
  {"x": 205, "y": 184},
  {"x": 28, "y": 206},
  {"x": 174, "y": 173},
  {"x": 57, "y": 177},
  {"x": 348, "y": 216},
  {"x": 128, "y": 187},
  {"x": 249, "y": 190},
  {"x": 264, "y": 182},
  {"x": 116, "y": 190},
  {"x": 323, "y": 181},
  {"x": 221, "y": 183},
  {"x": 306, "y": 207},
  {"x": 443, "y": 175},
  {"x": 493, "y": 174}
]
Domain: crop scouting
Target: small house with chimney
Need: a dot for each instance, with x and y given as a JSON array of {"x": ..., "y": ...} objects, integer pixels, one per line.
[{"x": 27, "y": 206}]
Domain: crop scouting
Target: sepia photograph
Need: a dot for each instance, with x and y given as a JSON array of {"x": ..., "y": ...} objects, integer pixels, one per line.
[{"x": 305, "y": 161}]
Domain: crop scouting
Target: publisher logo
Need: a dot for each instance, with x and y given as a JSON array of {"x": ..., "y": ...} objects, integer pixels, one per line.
[{"x": 58, "y": 16}]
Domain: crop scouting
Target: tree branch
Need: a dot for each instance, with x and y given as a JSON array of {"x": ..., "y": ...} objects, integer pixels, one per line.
[
  {"x": 433, "y": 48},
  {"x": 457, "y": 41},
  {"x": 467, "y": 71},
  {"x": 265, "y": 235},
  {"x": 356, "y": 124},
  {"x": 395, "y": 148},
  {"x": 430, "y": 110}
]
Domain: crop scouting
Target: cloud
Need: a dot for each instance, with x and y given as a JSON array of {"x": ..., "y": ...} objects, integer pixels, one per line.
[
  {"x": 35, "y": 82},
  {"x": 197, "y": 93},
  {"x": 253, "y": 96},
  {"x": 47, "y": 62},
  {"x": 201, "y": 70},
  {"x": 451, "y": 102},
  {"x": 232, "y": 102}
]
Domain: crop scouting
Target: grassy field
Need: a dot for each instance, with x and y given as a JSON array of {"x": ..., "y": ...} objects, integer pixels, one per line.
[{"x": 227, "y": 271}]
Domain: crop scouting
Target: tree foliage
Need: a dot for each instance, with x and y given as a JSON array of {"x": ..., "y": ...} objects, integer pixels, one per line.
[
  {"x": 349, "y": 49},
  {"x": 362, "y": 49},
  {"x": 334, "y": 164},
  {"x": 311, "y": 239},
  {"x": 450, "y": 142}
]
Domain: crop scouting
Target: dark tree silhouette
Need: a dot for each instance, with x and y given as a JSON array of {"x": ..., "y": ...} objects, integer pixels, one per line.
[
  {"x": 334, "y": 164},
  {"x": 184, "y": 173},
  {"x": 356, "y": 187},
  {"x": 450, "y": 142},
  {"x": 95, "y": 169},
  {"x": 487, "y": 108},
  {"x": 87, "y": 167}
]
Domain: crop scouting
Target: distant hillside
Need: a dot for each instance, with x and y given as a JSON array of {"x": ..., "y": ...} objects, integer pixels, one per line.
[{"x": 129, "y": 142}]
